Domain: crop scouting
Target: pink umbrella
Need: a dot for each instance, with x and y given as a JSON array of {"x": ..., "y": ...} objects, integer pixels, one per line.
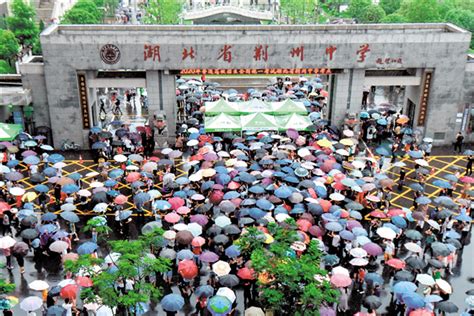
[
  {"x": 176, "y": 202},
  {"x": 29, "y": 153},
  {"x": 120, "y": 199},
  {"x": 211, "y": 156},
  {"x": 183, "y": 210},
  {"x": 198, "y": 241},
  {"x": 341, "y": 280},
  {"x": 316, "y": 231},
  {"x": 200, "y": 219},
  {"x": 373, "y": 249},
  {"x": 303, "y": 224},
  {"x": 133, "y": 176},
  {"x": 172, "y": 218}
]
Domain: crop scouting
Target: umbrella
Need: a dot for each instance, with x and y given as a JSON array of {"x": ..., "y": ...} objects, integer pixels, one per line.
[
  {"x": 204, "y": 290},
  {"x": 447, "y": 307},
  {"x": 84, "y": 281},
  {"x": 31, "y": 303},
  {"x": 372, "y": 249},
  {"x": 49, "y": 217},
  {"x": 20, "y": 248},
  {"x": 87, "y": 248},
  {"x": 29, "y": 233},
  {"x": 208, "y": 256},
  {"x": 444, "y": 286},
  {"x": 330, "y": 260},
  {"x": 374, "y": 278},
  {"x": 386, "y": 233},
  {"x": 70, "y": 216},
  {"x": 188, "y": 269},
  {"x": 226, "y": 292},
  {"x": 184, "y": 237},
  {"x": 396, "y": 263},
  {"x": 69, "y": 291},
  {"x": 229, "y": 280},
  {"x": 38, "y": 285},
  {"x": 340, "y": 280},
  {"x": 413, "y": 234},
  {"x": 254, "y": 311},
  {"x": 219, "y": 305},
  {"x": 172, "y": 302},
  {"x": 221, "y": 268},
  {"x": 372, "y": 302},
  {"x": 425, "y": 279},
  {"x": 404, "y": 276},
  {"x": 416, "y": 263},
  {"x": 413, "y": 300},
  {"x": 55, "y": 310},
  {"x": 58, "y": 246},
  {"x": 440, "y": 249}
]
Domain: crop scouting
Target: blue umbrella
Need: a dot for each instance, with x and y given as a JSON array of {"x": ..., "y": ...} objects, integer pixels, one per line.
[
  {"x": 265, "y": 205},
  {"x": 423, "y": 200},
  {"x": 48, "y": 228},
  {"x": 204, "y": 291},
  {"x": 31, "y": 160},
  {"x": 96, "y": 130},
  {"x": 182, "y": 181},
  {"x": 113, "y": 193},
  {"x": 231, "y": 195},
  {"x": 321, "y": 191},
  {"x": 383, "y": 151},
  {"x": 382, "y": 121},
  {"x": 49, "y": 217},
  {"x": 87, "y": 248},
  {"x": 334, "y": 226},
  {"x": 13, "y": 163},
  {"x": 452, "y": 234},
  {"x": 140, "y": 308},
  {"x": 75, "y": 176},
  {"x": 54, "y": 158},
  {"x": 116, "y": 173},
  {"x": 355, "y": 214},
  {"x": 374, "y": 278},
  {"x": 232, "y": 251},
  {"x": 417, "y": 154},
  {"x": 330, "y": 260},
  {"x": 70, "y": 188},
  {"x": 364, "y": 115},
  {"x": 283, "y": 192},
  {"x": 50, "y": 171},
  {"x": 468, "y": 152},
  {"x": 451, "y": 177},
  {"x": 172, "y": 302},
  {"x": 463, "y": 217},
  {"x": 161, "y": 205},
  {"x": 347, "y": 235},
  {"x": 125, "y": 214},
  {"x": 416, "y": 187},
  {"x": 399, "y": 222},
  {"x": 256, "y": 213},
  {"x": 257, "y": 189},
  {"x": 70, "y": 217},
  {"x": 413, "y": 300},
  {"x": 110, "y": 183},
  {"x": 25, "y": 213},
  {"x": 41, "y": 188},
  {"x": 404, "y": 287},
  {"x": 141, "y": 198},
  {"x": 442, "y": 184},
  {"x": 185, "y": 254},
  {"x": 99, "y": 145}
]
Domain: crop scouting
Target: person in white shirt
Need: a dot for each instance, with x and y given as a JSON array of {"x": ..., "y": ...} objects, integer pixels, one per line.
[{"x": 68, "y": 307}]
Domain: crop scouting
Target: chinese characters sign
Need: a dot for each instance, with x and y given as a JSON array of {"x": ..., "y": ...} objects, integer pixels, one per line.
[
  {"x": 81, "y": 78},
  {"x": 425, "y": 93},
  {"x": 266, "y": 71}
]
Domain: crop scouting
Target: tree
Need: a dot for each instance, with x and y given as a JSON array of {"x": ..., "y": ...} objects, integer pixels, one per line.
[
  {"x": 5, "y": 67},
  {"x": 83, "y": 12},
  {"x": 163, "y": 12},
  {"x": 287, "y": 281},
  {"x": 421, "y": 11},
  {"x": 9, "y": 46},
  {"x": 394, "y": 18},
  {"x": 373, "y": 14},
  {"x": 462, "y": 18},
  {"x": 390, "y": 6},
  {"x": 299, "y": 11},
  {"x": 357, "y": 8},
  {"x": 22, "y": 23},
  {"x": 135, "y": 263}
]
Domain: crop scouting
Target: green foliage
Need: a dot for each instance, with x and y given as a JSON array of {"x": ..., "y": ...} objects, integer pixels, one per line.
[
  {"x": 373, "y": 14},
  {"x": 135, "y": 263},
  {"x": 22, "y": 22},
  {"x": 394, "y": 18},
  {"x": 99, "y": 224},
  {"x": 299, "y": 11},
  {"x": 357, "y": 8},
  {"x": 390, "y": 6},
  {"x": 6, "y": 68},
  {"x": 287, "y": 282},
  {"x": 462, "y": 18},
  {"x": 108, "y": 6},
  {"x": 6, "y": 287},
  {"x": 163, "y": 12},
  {"x": 420, "y": 11},
  {"x": 9, "y": 46},
  {"x": 83, "y": 12}
]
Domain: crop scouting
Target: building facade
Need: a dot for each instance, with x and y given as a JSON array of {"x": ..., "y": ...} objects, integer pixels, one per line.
[{"x": 429, "y": 60}]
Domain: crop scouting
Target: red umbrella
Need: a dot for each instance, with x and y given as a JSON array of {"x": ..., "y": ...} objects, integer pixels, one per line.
[
  {"x": 303, "y": 224},
  {"x": 133, "y": 176},
  {"x": 421, "y": 312},
  {"x": 216, "y": 197},
  {"x": 84, "y": 281},
  {"x": 396, "y": 212},
  {"x": 396, "y": 263},
  {"x": 246, "y": 273},
  {"x": 4, "y": 206},
  {"x": 233, "y": 185},
  {"x": 198, "y": 241},
  {"x": 341, "y": 280},
  {"x": 69, "y": 291},
  {"x": 338, "y": 186},
  {"x": 378, "y": 214},
  {"x": 172, "y": 218},
  {"x": 120, "y": 199},
  {"x": 325, "y": 204},
  {"x": 188, "y": 269},
  {"x": 467, "y": 179},
  {"x": 176, "y": 202}
]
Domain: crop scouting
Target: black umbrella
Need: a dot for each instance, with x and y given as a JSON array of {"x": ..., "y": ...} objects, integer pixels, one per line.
[
  {"x": 413, "y": 234},
  {"x": 105, "y": 134},
  {"x": 56, "y": 310},
  {"x": 404, "y": 276},
  {"x": 435, "y": 263},
  {"x": 29, "y": 233},
  {"x": 214, "y": 230},
  {"x": 54, "y": 291},
  {"x": 29, "y": 221},
  {"x": 440, "y": 249},
  {"x": 37, "y": 178},
  {"x": 416, "y": 263},
  {"x": 447, "y": 307},
  {"x": 372, "y": 302},
  {"x": 246, "y": 221},
  {"x": 99, "y": 197},
  {"x": 229, "y": 280},
  {"x": 456, "y": 243},
  {"x": 232, "y": 229}
]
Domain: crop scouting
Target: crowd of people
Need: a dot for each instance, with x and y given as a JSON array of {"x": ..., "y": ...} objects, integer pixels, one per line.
[{"x": 333, "y": 182}]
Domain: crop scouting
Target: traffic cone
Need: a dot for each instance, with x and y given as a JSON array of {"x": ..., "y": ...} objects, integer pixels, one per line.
[{"x": 80, "y": 159}]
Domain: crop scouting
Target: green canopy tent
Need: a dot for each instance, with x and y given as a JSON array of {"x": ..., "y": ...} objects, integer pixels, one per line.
[
  {"x": 258, "y": 122},
  {"x": 288, "y": 107},
  {"x": 222, "y": 106},
  {"x": 222, "y": 123},
  {"x": 9, "y": 131},
  {"x": 295, "y": 121},
  {"x": 255, "y": 106}
]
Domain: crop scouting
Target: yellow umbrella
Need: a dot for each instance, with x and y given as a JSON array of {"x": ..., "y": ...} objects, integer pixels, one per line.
[
  {"x": 208, "y": 172},
  {"x": 29, "y": 197},
  {"x": 346, "y": 142},
  {"x": 268, "y": 239},
  {"x": 324, "y": 142}
]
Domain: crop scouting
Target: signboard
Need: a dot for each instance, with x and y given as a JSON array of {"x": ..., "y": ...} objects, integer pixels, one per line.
[
  {"x": 266, "y": 71},
  {"x": 425, "y": 93},
  {"x": 83, "y": 101}
]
